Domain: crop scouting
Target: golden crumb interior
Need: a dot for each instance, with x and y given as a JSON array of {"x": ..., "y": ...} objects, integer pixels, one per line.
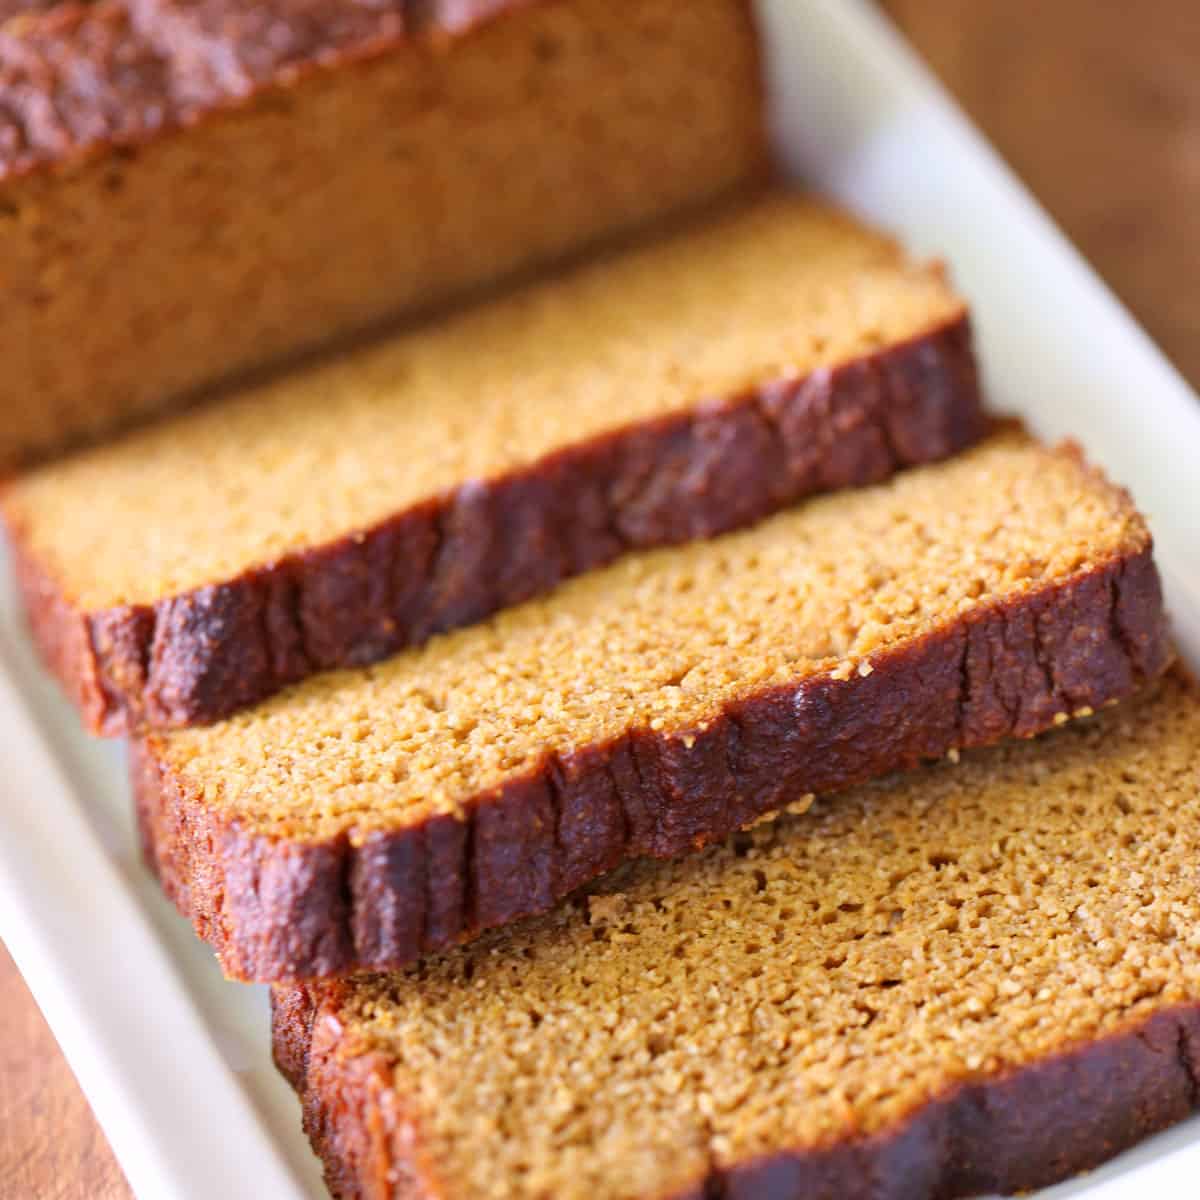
[
  {"x": 771, "y": 290},
  {"x": 662, "y": 640},
  {"x": 815, "y": 979}
]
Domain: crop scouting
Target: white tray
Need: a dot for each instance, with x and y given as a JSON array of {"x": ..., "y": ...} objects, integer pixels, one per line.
[{"x": 174, "y": 1061}]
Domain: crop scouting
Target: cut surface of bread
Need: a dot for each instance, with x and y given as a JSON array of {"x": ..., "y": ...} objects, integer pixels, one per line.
[
  {"x": 365, "y": 816},
  {"x": 341, "y": 513},
  {"x": 190, "y": 191},
  {"x": 975, "y": 978}
]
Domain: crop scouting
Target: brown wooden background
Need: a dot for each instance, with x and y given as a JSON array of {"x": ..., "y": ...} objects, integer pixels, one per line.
[{"x": 1097, "y": 106}]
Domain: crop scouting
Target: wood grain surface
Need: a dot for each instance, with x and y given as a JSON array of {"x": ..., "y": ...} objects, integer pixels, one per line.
[
  {"x": 50, "y": 1146},
  {"x": 1097, "y": 106}
]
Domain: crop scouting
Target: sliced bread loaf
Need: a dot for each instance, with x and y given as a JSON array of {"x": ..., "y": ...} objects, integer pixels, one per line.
[
  {"x": 973, "y": 979},
  {"x": 364, "y": 817},
  {"x": 344, "y": 512},
  {"x": 189, "y": 190}
]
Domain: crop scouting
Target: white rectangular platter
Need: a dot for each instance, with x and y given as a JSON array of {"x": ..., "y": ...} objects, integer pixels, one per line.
[{"x": 175, "y": 1061}]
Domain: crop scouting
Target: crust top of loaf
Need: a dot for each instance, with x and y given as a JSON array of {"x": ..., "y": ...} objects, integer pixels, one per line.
[{"x": 77, "y": 77}]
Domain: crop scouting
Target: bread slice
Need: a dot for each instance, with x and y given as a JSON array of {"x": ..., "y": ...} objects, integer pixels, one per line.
[
  {"x": 365, "y": 817},
  {"x": 189, "y": 191},
  {"x": 977, "y": 978},
  {"x": 340, "y": 514}
]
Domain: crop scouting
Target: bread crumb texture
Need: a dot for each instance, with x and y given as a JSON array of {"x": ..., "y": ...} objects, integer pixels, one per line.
[
  {"x": 664, "y": 640},
  {"x": 770, "y": 291},
  {"x": 815, "y": 980}
]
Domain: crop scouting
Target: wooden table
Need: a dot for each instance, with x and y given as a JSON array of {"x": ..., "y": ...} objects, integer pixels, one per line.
[{"x": 1097, "y": 106}]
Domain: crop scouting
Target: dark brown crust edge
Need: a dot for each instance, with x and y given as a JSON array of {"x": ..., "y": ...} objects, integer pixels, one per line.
[
  {"x": 278, "y": 909},
  {"x": 450, "y": 561},
  {"x": 164, "y": 70},
  {"x": 1026, "y": 1128},
  {"x": 200, "y": 67}
]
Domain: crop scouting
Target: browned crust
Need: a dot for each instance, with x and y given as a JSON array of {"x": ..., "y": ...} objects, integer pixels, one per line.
[
  {"x": 353, "y": 1116},
  {"x": 82, "y": 79},
  {"x": 1025, "y": 1128},
  {"x": 285, "y": 909},
  {"x": 483, "y": 546}
]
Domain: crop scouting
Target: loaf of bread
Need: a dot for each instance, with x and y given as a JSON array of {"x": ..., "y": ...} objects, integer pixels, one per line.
[
  {"x": 978, "y": 978},
  {"x": 189, "y": 191},
  {"x": 364, "y": 817},
  {"x": 347, "y": 511}
]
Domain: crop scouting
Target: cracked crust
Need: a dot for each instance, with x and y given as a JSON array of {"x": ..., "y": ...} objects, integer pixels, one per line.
[
  {"x": 1025, "y": 1129},
  {"x": 450, "y": 561},
  {"x": 277, "y": 909}
]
